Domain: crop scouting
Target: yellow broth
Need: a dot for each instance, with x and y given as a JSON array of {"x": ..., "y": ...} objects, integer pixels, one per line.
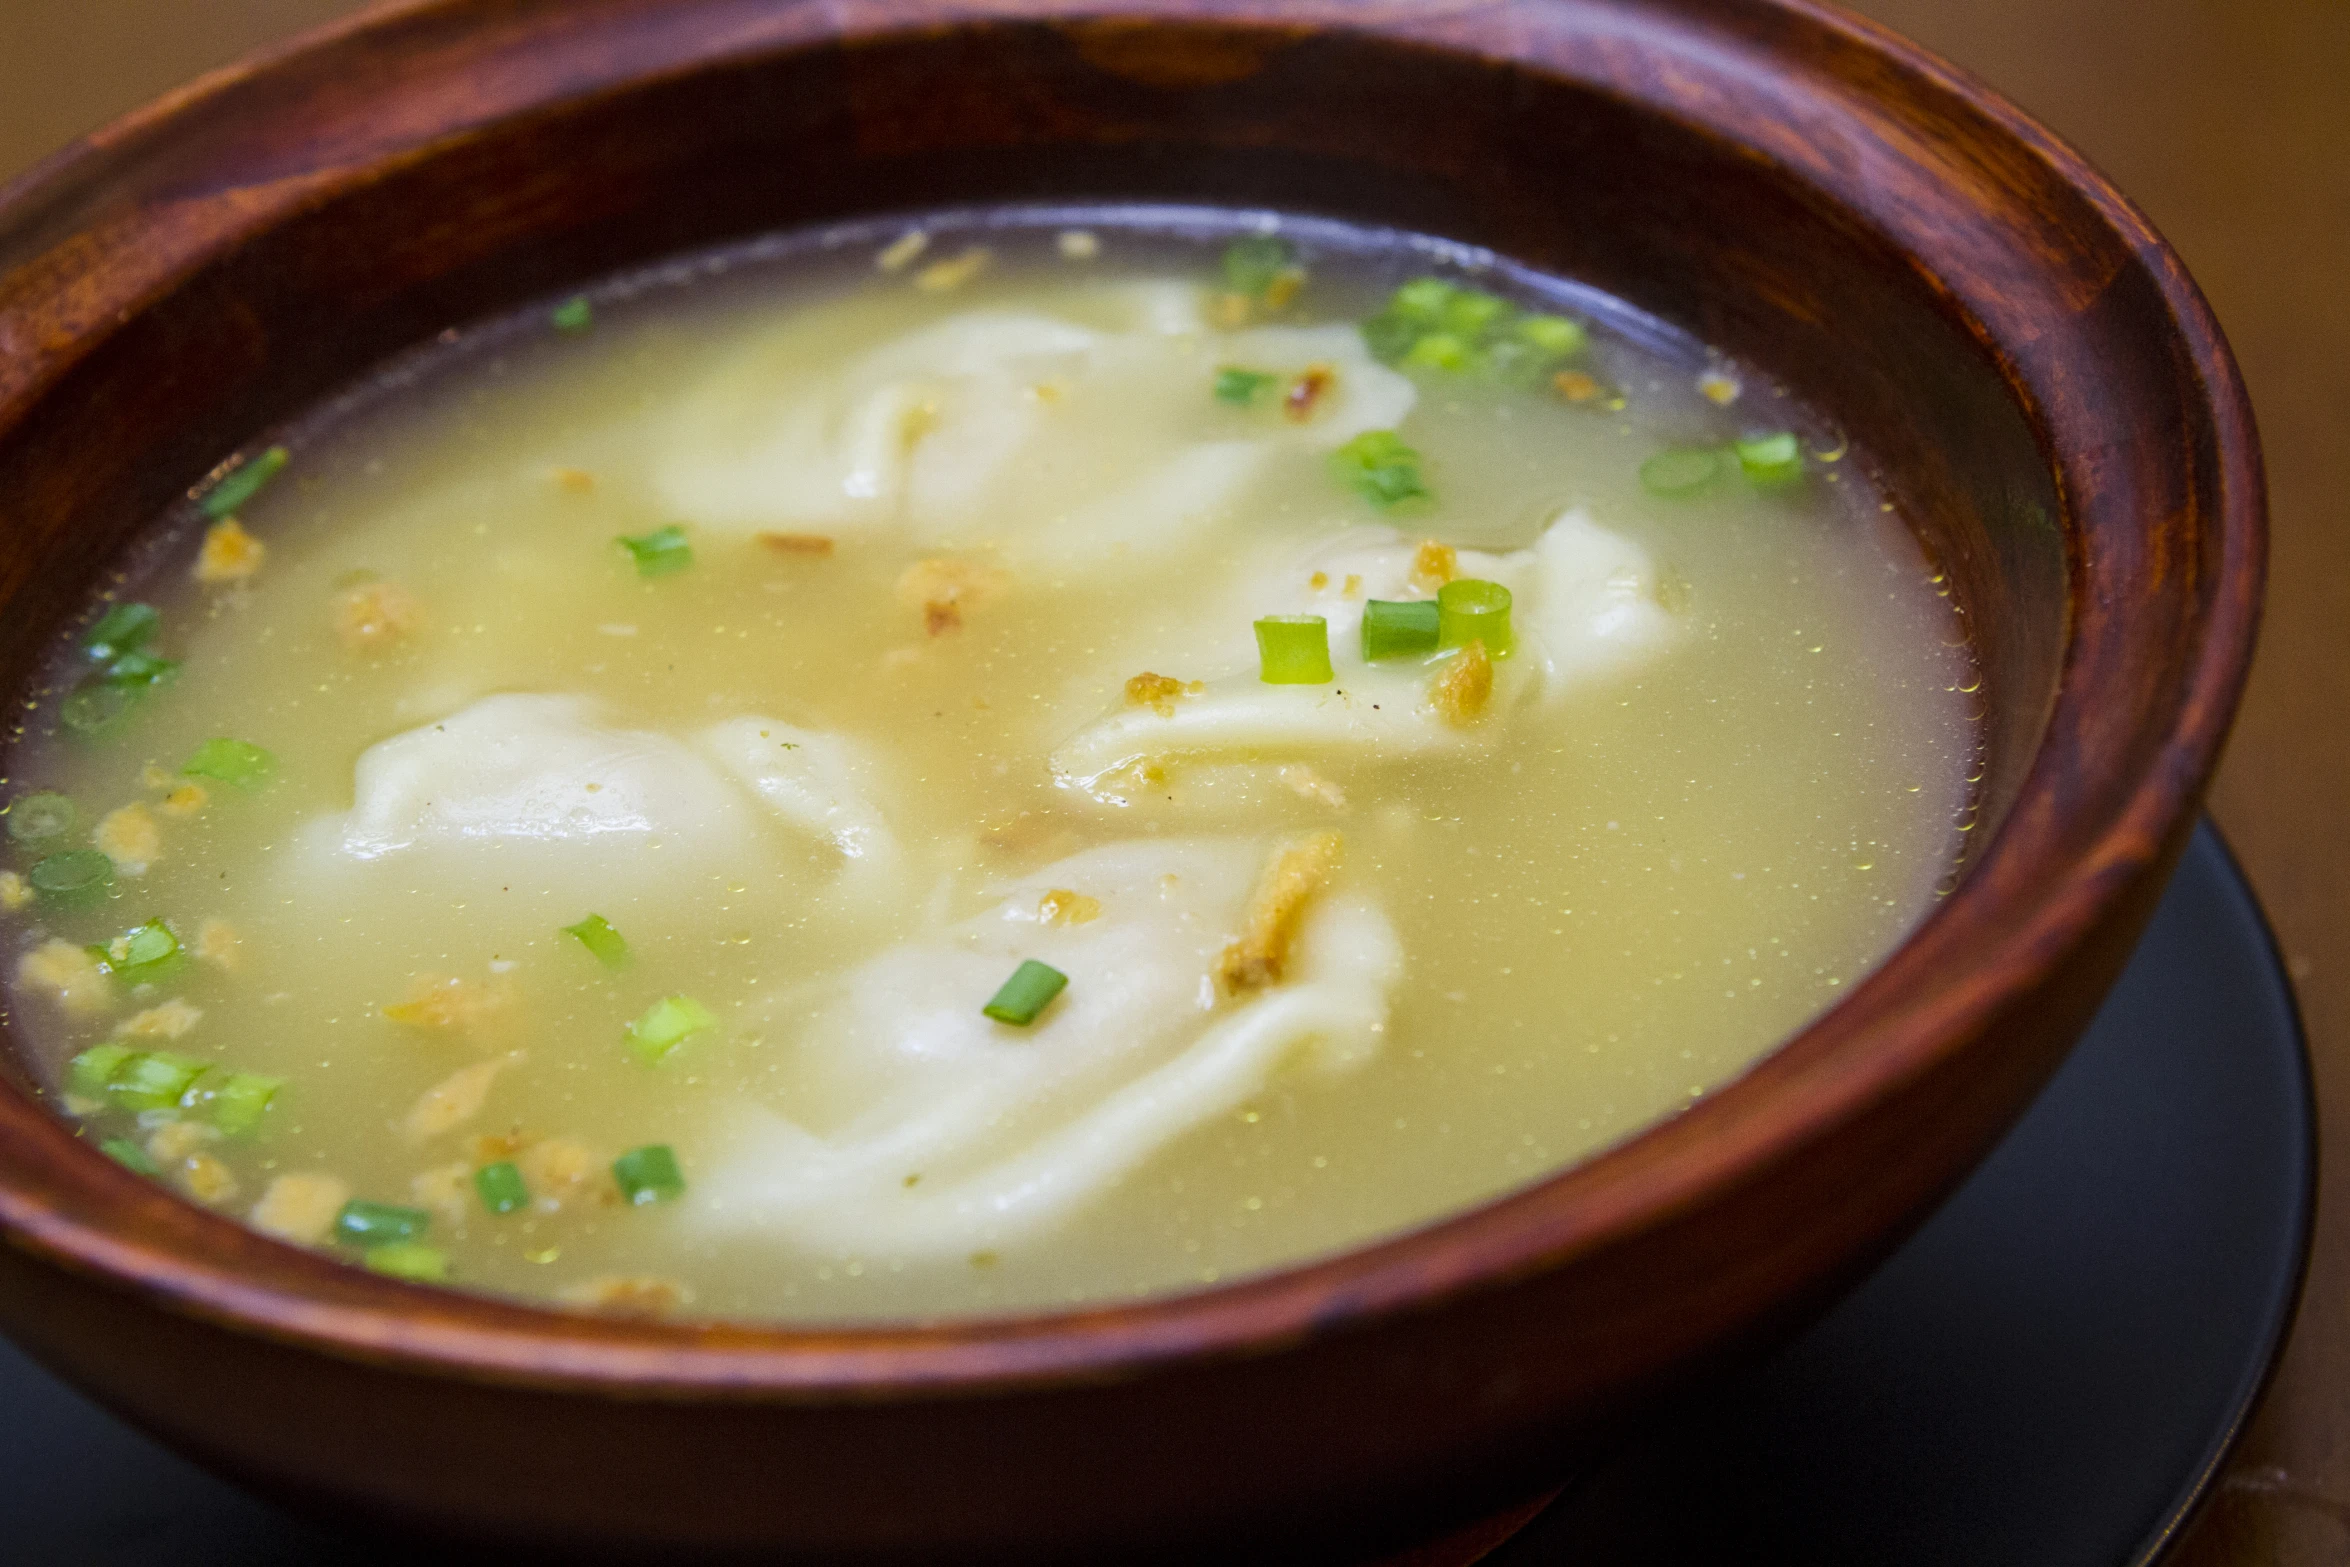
[{"x": 1611, "y": 901}]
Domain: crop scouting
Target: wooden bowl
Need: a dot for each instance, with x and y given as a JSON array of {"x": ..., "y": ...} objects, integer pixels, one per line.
[{"x": 2003, "y": 336}]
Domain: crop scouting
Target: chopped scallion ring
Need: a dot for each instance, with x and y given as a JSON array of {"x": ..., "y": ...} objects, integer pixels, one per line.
[
  {"x": 1423, "y": 299},
  {"x": 1557, "y": 336},
  {"x": 124, "y": 628},
  {"x": 1253, "y": 263},
  {"x": 1378, "y": 466},
  {"x": 596, "y": 934},
  {"x": 153, "y": 1080},
  {"x": 1472, "y": 312},
  {"x": 1771, "y": 460},
  {"x": 129, "y": 1155},
  {"x": 140, "y": 954},
  {"x": 649, "y": 1174},
  {"x": 659, "y": 552},
  {"x": 238, "y": 762},
  {"x": 1470, "y": 609},
  {"x": 1441, "y": 351},
  {"x": 410, "y": 1260},
  {"x": 501, "y": 1187},
  {"x": 1293, "y": 650},
  {"x": 239, "y": 1103},
  {"x": 375, "y": 1224},
  {"x": 668, "y": 1023},
  {"x": 1681, "y": 471},
  {"x": 40, "y": 818},
  {"x": 137, "y": 671},
  {"x": 1398, "y": 629},
  {"x": 243, "y": 483},
  {"x": 93, "y": 709},
  {"x": 573, "y": 315},
  {"x": 1242, "y": 388},
  {"x": 94, "y": 1068},
  {"x": 1028, "y": 992},
  {"x": 74, "y": 876}
]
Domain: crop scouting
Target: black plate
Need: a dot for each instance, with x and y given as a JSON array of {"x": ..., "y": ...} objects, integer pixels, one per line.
[{"x": 2049, "y": 1373}]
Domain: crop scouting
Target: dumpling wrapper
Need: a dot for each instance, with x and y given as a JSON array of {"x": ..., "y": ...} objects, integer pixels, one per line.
[
  {"x": 1009, "y": 1130},
  {"x": 1585, "y": 606},
  {"x": 562, "y": 799},
  {"x": 1096, "y": 427}
]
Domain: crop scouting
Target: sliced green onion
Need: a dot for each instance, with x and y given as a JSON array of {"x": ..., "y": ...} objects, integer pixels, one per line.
[
  {"x": 1470, "y": 609},
  {"x": 1441, "y": 351},
  {"x": 239, "y": 1103},
  {"x": 1028, "y": 992},
  {"x": 224, "y": 498},
  {"x": 93, "y": 709},
  {"x": 597, "y": 935},
  {"x": 1558, "y": 336},
  {"x": 137, "y": 671},
  {"x": 40, "y": 818},
  {"x": 648, "y": 1174},
  {"x": 1293, "y": 650},
  {"x": 668, "y": 1023},
  {"x": 1254, "y": 262},
  {"x": 1243, "y": 387},
  {"x": 410, "y": 1260},
  {"x": 1771, "y": 460},
  {"x": 153, "y": 1080},
  {"x": 73, "y": 876},
  {"x": 129, "y": 1155},
  {"x": 1423, "y": 299},
  {"x": 1680, "y": 471},
  {"x": 1378, "y": 466},
  {"x": 375, "y": 1224},
  {"x": 1398, "y": 629},
  {"x": 94, "y": 1068},
  {"x": 1390, "y": 336},
  {"x": 122, "y": 629},
  {"x": 1472, "y": 312},
  {"x": 573, "y": 315},
  {"x": 238, "y": 762},
  {"x": 501, "y": 1187},
  {"x": 659, "y": 552},
  {"x": 136, "y": 953}
]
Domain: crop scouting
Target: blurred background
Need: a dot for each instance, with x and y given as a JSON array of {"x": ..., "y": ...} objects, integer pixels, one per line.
[{"x": 2229, "y": 122}]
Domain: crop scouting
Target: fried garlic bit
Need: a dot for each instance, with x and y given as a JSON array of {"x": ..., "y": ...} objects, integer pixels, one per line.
[
  {"x": 373, "y": 616},
  {"x": 130, "y": 838},
  {"x": 206, "y": 1179},
  {"x": 814, "y": 544},
  {"x": 1159, "y": 693},
  {"x": 1577, "y": 386},
  {"x": 67, "y": 975},
  {"x": 1063, "y": 907},
  {"x": 1464, "y": 686},
  {"x": 299, "y": 1207},
  {"x": 15, "y": 891},
  {"x": 442, "y": 1001},
  {"x": 1434, "y": 566},
  {"x": 941, "y": 276},
  {"x": 184, "y": 800},
  {"x": 1307, "y": 784},
  {"x": 1275, "y": 911},
  {"x": 945, "y": 589},
  {"x": 217, "y": 941},
  {"x": 576, "y": 480},
  {"x": 230, "y": 554},
  {"x": 452, "y": 1102},
  {"x": 443, "y": 1189},
  {"x": 177, "y": 1140},
  {"x": 168, "y": 1021},
  {"x": 628, "y": 1296},
  {"x": 1305, "y": 394},
  {"x": 1719, "y": 387},
  {"x": 559, "y": 1171}
]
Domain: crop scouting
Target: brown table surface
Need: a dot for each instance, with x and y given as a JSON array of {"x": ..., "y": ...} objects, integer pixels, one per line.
[{"x": 2229, "y": 121}]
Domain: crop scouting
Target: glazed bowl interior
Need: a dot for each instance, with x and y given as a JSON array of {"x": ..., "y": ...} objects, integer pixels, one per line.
[{"x": 2002, "y": 340}]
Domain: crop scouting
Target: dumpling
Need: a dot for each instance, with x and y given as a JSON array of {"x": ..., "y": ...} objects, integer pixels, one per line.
[
  {"x": 1586, "y": 603},
  {"x": 562, "y": 799},
  {"x": 1101, "y": 418},
  {"x": 912, "y": 1125}
]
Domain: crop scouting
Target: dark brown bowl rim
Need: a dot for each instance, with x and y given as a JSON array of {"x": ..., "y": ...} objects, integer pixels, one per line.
[{"x": 1894, "y": 1026}]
